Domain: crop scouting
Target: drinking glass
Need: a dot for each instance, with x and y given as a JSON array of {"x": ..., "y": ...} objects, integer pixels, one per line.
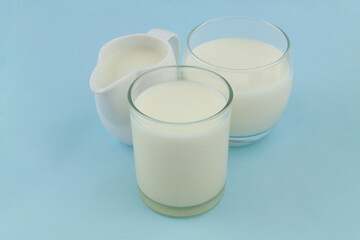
[
  {"x": 254, "y": 57},
  {"x": 180, "y": 163}
]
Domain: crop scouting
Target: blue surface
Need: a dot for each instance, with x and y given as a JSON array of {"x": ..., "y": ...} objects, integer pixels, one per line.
[{"x": 62, "y": 176}]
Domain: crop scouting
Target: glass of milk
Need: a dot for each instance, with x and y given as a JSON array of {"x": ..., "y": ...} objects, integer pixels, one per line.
[
  {"x": 180, "y": 119},
  {"x": 254, "y": 57}
]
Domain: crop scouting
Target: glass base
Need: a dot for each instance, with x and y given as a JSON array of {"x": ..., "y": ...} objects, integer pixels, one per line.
[
  {"x": 243, "y": 141},
  {"x": 181, "y": 211}
]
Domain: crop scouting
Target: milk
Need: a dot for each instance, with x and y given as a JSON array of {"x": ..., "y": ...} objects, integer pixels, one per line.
[
  {"x": 260, "y": 96},
  {"x": 126, "y": 61},
  {"x": 181, "y": 160}
]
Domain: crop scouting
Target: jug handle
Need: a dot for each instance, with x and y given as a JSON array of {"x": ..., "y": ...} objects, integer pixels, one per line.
[{"x": 170, "y": 37}]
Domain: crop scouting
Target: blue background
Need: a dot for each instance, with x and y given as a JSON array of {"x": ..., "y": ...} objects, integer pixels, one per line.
[{"x": 62, "y": 176}]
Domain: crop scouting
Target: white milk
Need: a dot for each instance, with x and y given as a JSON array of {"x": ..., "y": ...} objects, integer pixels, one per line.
[
  {"x": 260, "y": 97},
  {"x": 181, "y": 165},
  {"x": 124, "y": 62}
]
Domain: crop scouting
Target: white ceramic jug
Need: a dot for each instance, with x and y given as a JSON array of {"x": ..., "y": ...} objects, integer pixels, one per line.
[{"x": 111, "y": 91}]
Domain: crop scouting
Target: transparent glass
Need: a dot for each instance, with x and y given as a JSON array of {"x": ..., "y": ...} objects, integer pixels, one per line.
[
  {"x": 180, "y": 165},
  {"x": 254, "y": 57}
]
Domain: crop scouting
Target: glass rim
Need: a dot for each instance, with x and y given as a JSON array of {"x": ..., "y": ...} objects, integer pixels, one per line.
[
  {"x": 223, "y": 109},
  {"x": 277, "y": 61}
]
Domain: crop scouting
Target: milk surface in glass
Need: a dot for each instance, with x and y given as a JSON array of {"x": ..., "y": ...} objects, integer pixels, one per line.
[
  {"x": 260, "y": 96},
  {"x": 180, "y": 164}
]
